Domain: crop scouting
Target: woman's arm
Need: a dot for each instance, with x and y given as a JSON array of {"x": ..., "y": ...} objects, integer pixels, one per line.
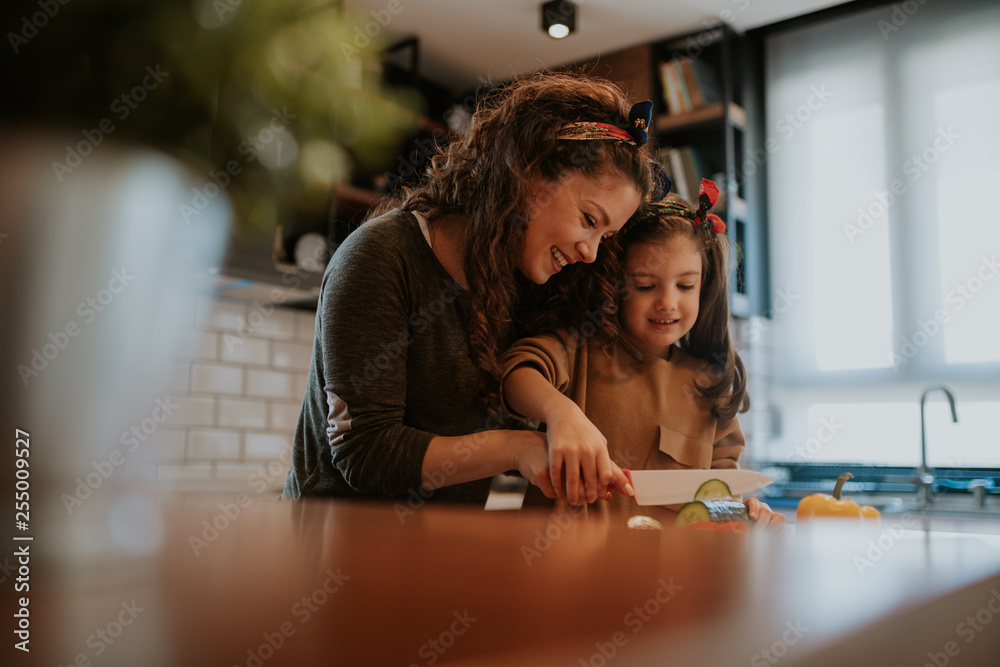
[
  {"x": 463, "y": 458},
  {"x": 384, "y": 342},
  {"x": 576, "y": 448}
]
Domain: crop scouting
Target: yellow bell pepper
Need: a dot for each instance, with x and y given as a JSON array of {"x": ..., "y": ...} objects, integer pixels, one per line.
[{"x": 822, "y": 505}]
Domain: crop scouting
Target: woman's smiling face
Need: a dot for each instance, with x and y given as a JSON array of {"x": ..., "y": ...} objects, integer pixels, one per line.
[{"x": 568, "y": 218}]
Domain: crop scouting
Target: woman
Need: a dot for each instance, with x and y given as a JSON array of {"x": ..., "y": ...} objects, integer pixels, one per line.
[{"x": 418, "y": 303}]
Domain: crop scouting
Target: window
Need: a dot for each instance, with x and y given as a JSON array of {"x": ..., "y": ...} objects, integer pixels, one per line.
[{"x": 885, "y": 230}]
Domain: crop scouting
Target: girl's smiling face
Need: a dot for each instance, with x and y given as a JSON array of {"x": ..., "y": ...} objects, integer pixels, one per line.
[
  {"x": 568, "y": 218},
  {"x": 664, "y": 289}
]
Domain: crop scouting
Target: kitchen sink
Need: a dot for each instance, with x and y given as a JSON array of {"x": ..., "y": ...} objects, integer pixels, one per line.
[{"x": 944, "y": 506}]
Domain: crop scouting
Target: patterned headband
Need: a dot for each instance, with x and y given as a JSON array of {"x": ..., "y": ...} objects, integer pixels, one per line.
[
  {"x": 708, "y": 194},
  {"x": 710, "y": 223},
  {"x": 635, "y": 132}
]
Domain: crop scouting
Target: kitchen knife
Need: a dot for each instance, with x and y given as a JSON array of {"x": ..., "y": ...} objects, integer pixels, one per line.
[{"x": 668, "y": 487}]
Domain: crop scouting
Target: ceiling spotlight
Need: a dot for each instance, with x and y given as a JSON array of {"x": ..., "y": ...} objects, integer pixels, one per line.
[{"x": 558, "y": 18}]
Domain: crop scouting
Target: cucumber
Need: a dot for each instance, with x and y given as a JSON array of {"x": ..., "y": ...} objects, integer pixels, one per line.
[
  {"x": 713, "y": 488},
  {"x": 714, "y": 511}
]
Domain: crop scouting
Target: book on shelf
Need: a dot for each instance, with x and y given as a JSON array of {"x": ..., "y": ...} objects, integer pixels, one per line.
[
  {"x": 705, "y": 80},
  {"x": 670, "y": 159},
  {"x": 691, "y": 82},
  {"x": 682, "y": 86},
  {"x": 671, "y": 92},
  {"x": 686, "y": 169},
  {"x": 688, "y": 84}
]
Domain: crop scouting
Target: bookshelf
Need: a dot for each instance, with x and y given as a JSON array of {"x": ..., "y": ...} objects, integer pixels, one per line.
[
  {"x": 705, "y": 115},
  {"x": 700, "y": 127}
]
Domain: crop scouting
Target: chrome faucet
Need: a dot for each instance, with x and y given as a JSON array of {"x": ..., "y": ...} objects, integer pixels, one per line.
[{"x": 925, "y": 476}]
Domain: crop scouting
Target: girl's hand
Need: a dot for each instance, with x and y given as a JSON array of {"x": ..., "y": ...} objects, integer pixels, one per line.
[
  {"x": 764, "y": 516},
  {"x": 579, "y": 465},
  {"x": 531, "y": 460},
  {"x": 619, "y": 482}
]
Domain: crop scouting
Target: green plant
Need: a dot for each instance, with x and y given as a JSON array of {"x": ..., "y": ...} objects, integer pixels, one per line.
[{"x": 260, "y": 96}]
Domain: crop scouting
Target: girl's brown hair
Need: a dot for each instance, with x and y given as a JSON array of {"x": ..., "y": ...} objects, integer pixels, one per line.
[
  {"x": 709, "y": 338},
  {"x": 489, "y": 178}
]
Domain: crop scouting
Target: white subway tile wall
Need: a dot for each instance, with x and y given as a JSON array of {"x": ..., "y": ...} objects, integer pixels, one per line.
[{"x": 238, "y": 390}]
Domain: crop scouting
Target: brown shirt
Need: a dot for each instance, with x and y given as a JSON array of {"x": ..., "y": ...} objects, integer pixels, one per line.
[{"x": 646, "y": 407}]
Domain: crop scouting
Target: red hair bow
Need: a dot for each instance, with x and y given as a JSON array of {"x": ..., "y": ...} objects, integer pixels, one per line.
[{"x": 708, "y": 194}]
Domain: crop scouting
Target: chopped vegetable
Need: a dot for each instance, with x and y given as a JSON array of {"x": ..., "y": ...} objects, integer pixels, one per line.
[
  {"x": 640, "y": 522},
  {"x": 727, "y": 527},
  {"x": 714, "y": 511},
  {"x": 822, "y": 505},
  {"x": 713, "y": 488}
]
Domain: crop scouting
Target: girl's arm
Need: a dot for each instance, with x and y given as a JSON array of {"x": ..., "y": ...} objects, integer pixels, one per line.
[
  {"x": 729, "y": 445},
  {"x": 577, "y": 450}
]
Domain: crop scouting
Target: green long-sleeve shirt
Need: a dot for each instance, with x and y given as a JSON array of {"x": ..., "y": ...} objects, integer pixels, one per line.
[{"x": 390, "y": 369}]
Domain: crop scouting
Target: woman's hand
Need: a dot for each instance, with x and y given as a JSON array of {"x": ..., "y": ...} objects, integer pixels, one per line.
[
  {"x": 579, "y": 465},
  {"x": 763, "y": 515},
  {"x": 532, "y": 461}
]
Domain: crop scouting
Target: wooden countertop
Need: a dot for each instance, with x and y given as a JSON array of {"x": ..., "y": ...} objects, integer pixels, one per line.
[{"x": 339, "y": 583}]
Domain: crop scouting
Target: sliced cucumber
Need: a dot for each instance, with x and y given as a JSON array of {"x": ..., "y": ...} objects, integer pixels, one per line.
[
  {"x": 713, "y": 488},
  {"x": 715, "y": 511}
]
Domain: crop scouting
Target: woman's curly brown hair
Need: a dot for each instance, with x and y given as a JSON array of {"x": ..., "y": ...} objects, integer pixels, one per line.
[
  {"x": 725, "y": 377},
  {"x": 487, "y": 179}
]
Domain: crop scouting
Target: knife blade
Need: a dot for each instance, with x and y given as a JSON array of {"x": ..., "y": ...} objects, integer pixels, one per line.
[{"x": 669, "y": 487}]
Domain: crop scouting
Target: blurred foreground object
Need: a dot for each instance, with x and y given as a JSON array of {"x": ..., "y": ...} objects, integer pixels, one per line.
[{"x": 101, "y": 275}]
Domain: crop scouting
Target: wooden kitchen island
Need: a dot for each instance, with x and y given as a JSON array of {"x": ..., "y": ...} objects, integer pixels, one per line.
[{"x": 342, "y": 583}]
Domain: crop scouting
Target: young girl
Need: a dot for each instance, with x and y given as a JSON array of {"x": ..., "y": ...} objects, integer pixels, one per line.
[
  {"x": 418, "y": 303},
  {"x": 664, "y": 394}
]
